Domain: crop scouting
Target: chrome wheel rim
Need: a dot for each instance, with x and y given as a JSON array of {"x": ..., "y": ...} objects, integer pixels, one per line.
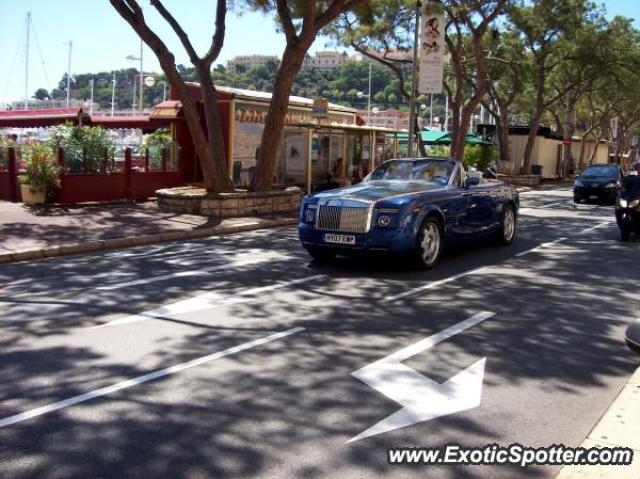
[
  {"x": 430, "y": 244},
  {"x": 508, "y": 224}
]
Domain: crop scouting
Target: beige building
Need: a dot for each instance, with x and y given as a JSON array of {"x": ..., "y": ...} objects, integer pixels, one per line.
[
  {"x": 247, "y": 62},
  {"x": 548, "y": 153},
  {"x": 326, "y": 60}
]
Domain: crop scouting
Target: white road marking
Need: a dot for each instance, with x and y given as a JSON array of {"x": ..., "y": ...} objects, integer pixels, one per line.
[
  {"x": 422, "y": 398},
  {"x": 600, "y": 225},
  {"x": 160, "y": 373},
  {"x": 203, "y": 302},
  {"x": 550, "y": 205},
  {"x": 541, "y": 246},
  {"x": 434, "y": 284},
  {"x": 180, "y": 274}
]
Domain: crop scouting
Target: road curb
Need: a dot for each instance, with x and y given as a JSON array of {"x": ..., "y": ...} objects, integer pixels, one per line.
[
  {"x": 142, "y": 240},
  {"x": 618, "y": 427}
]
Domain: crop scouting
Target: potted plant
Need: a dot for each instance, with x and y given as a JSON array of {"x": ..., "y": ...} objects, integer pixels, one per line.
[{"x": 41, "y": 175}]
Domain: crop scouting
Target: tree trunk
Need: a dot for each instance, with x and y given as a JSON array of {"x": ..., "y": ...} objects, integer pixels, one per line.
[
  {"x": 421, "y": 146},
  {"x": 502, "y": 131},
  {"x": 212, "y": 181},
  {"x": 583, "y": 145},
  {"x": 214, "y": 131},
  {"x": 595, "y": 148},
  {"x": 534, "y": 122},
  {"x": 291, "y": 63}
]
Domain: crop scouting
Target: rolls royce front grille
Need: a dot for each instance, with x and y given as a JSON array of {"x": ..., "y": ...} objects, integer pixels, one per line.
[{"x": 343, "y": 218}]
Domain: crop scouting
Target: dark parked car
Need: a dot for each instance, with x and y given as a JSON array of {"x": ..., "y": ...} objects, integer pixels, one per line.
[
  {"x": 407, "y": 206},
  {"x": 598, "y": 183}
]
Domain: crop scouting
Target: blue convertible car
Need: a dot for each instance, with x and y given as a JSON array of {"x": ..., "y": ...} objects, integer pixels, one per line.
[{"x": 407, "y": 206}]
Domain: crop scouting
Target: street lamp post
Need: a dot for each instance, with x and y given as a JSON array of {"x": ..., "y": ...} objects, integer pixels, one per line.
[{"x": 134, "y": 58}]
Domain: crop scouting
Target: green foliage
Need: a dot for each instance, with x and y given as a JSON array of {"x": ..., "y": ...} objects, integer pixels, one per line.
[
  {"x": 89, "y": 142},
  {"x": 41, "y": 172},
  {"x": 41, "y": 94},
  {"x": 479, "y": 156},
  {"x": 340, "y": 85},
  {"x": 438, "y": 150},
  {"x": 160, "y": 137}
]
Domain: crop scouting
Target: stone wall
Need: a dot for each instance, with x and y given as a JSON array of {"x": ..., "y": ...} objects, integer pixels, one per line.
[
  {"x": 521, "y": 180},
  {"x": 227, "y": 205}
]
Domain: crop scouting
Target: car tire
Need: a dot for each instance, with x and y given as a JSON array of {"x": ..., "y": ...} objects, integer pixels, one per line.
[
  {"x": 576, "y": 199},
  {"x": 507, "y": 230},
  {"x": 428, "y": 243},
  {"x": 321, "y": 255}
]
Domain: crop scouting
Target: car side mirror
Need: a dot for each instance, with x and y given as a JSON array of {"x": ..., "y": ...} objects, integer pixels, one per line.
[
  {"x": 471, "y": 181},
  {"x": 632, "y": 336}
]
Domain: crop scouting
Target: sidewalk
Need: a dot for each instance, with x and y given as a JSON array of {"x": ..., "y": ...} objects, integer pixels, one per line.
[
  {"x": 618, "y": 427},
  {"x": 36, "y": 232},
  {"x": 547, "y": 186}
]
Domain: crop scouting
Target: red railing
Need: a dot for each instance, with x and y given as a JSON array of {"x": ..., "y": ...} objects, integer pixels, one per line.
[{"x": 112, "y": 178}]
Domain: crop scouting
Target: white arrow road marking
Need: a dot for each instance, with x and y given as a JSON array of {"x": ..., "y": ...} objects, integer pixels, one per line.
[
  {"x": 152, "y": 376},
  {"x": 203, "y": 302},
  {"x": 422, "y": 398}
]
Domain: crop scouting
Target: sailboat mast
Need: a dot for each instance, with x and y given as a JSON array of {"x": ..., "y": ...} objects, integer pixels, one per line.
[{"x": 26, "y": 65}]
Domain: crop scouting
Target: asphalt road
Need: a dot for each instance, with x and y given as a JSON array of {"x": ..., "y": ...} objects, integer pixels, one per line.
[{"x": 233, "y": 356}]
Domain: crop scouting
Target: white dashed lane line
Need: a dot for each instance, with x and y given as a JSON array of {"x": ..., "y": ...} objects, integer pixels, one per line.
[{"x": 160, "y": 373}]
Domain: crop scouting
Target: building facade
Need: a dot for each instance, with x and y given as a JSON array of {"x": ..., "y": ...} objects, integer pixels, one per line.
[
  {"x": 247, "y": 62},
  {"x": 326, "y": 60},
  {"x": 310, "y": 145}
]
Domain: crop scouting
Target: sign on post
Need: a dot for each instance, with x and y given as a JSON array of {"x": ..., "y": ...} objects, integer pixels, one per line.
[
  {"x": 320, "y": 107},
  {"x": 432, "y": 48}
]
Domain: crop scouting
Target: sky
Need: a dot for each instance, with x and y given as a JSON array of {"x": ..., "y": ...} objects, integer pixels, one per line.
[{"x": 102, "y": 39}]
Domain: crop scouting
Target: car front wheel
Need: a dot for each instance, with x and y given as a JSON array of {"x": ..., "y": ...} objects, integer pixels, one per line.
[
  {"x": 429, "y": 243},
  {"x": 507, "y": 229}
]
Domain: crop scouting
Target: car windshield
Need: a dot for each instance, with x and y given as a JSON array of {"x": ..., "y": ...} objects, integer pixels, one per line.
[
  {"x": 436, "y": 172},
  {"x": 605, "y": 170}
]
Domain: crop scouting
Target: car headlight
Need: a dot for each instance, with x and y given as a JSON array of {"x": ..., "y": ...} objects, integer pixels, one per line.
[
  {"x": 623, "y": 203},
  {"x": 634, "y": 203},
  {"x": 309, "y": 216},
  {"x": 611, "y": 185},
  {"x": 384, "y": 220},
  {"x": 578, "y": 183}
]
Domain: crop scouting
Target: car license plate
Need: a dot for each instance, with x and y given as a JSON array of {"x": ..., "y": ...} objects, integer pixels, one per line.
[
  {"x": 339, "y": 239},
  {"x": 593, "y": 197}
]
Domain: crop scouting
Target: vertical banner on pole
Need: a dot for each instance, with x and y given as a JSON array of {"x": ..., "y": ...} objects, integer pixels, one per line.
[{"x": 432, "y": 48}]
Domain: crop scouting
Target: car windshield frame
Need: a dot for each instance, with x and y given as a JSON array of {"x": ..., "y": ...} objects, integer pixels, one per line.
[
  {"x": 414, "y": 169},
  {"x": 608, "y": 171}
]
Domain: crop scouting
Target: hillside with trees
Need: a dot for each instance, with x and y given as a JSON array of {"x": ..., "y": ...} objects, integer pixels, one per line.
[{"x": 340, "y": 85}]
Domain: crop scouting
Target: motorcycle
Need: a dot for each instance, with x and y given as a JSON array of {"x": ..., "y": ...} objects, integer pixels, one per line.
[{"x": 628, "y": 207}]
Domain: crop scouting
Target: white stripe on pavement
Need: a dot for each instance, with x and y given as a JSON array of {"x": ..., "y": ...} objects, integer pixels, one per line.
[
  {"x": 600, "y": 225},
  {"x": 541, "y": 246},
  {"x": 203, "y": 302},
  {"x": 434, "y": 284},
  {"x": 8, "y": 421},
  {"x": 180, "y": 274}
]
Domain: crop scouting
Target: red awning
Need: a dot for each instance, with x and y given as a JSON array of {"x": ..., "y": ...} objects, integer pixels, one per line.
[
  {"x": 40, "y": 118},
  {"x": 142, "y": 122}
]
